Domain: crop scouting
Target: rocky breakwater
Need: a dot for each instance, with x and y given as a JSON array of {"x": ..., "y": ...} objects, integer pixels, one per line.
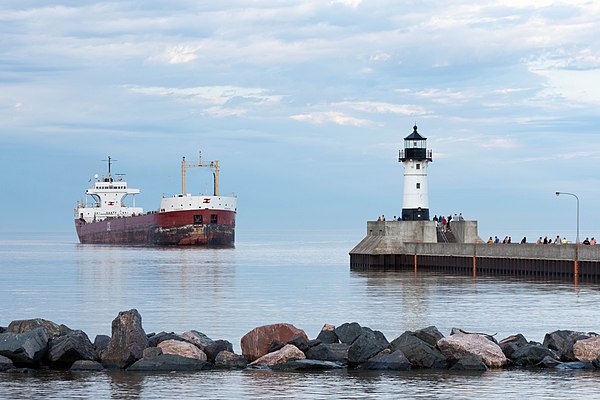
[{"x": 26, "y": 345}]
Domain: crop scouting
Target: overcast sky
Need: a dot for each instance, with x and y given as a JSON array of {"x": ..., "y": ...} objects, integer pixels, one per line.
[{"x": 305, "y": 105}]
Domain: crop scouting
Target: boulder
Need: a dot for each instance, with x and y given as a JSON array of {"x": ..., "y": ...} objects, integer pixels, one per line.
[
  {"x": 531, "y": 355},
  {"x": 229, "y": 360},
  {"x": 101, "y": 342},
  {"x": 86, "y": 365},
  {"x": 65, "y": 350},
  {"x": 182, "y": 349},
  {"x": 2, "y": 329},
  {"x": 388, "y": 360},
  {"x": 53, "y": 330},
  {"x": 216, "y": 347},
  {"x": 335, "y": 352},
  {"x": 548, "y": 362},
  {"x": 348, "y": 332},
  {"x": 275, "y": 345},
  {"x": 587, "y": 349},
  {"x": 455, "y": 331},
  {"x": 575, "y": 365},
  {"x": 24, "y": 349},
  {"x": 168, "y": 363},
  {"x": 197, "y": 338},
  {"x": 562, "y": 342},
  {"x": 156, "y": 339},
  {"x": 429, "y": 335},
  {"x": 287, "y": 353},
  {"x": 307, "y": 365},
  {"x": 300, "y": 342},
  {"x": 459, "y": 345},
  {"x": 257, "y": 342},
  {"x": 511, "y": 343},
  {"x": 5, "y": 363},
  {"x": 419, "y": 353},
  {"x": 328, "y": 335},
  {"x": 368, "y": 344},
  {"x": 151, "y": 352},
  {"x": 469, "y": 362},
  {"x": 127, "y": 342},
  {"x": 314, "y": 342}
]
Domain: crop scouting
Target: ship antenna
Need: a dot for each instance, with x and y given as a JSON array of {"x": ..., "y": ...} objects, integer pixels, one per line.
[{"x": 110, "y": 161}]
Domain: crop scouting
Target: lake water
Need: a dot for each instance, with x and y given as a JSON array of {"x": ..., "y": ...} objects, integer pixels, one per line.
[{"x": 298, "y": 277}]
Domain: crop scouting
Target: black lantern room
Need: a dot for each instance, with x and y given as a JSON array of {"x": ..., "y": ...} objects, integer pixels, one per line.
[{"x": 415, "y": 147}]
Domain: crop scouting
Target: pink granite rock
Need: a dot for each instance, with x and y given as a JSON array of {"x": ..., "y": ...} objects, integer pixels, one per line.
[
  {"x": 587, "y": 349},
  {"x": 183, "y": 349},
  {"x": 256, "y": 343},
  {"x": 456, "y": 346},
  {"x": 287, "y": 353}
]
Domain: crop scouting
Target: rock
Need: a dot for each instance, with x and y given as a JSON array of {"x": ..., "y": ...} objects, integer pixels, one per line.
[
  {"x": 275, "y": 345},
  {"x": 307, "y": 365},
  {"x": 429, "y": 335},
  {"x": 336, "y": 352},
  {"x": 216, "y": 347},
  {"x": 348, "y": 332},
  {"x": 155, "y": 340},
  {"x": 587, "y": 349},
  {"x": 86, "y": 365},
  {"x": 5, "y": 363},
  {"x": 575, "y": 365},
  {"x": 388, "y": 360},
  {"x": 197, "y": 338},
  {"x": 511, "y": 343},
  {"x": 168, "y": 363},
  {"x": 151, "y": 353},
  {"x": 65, "y": 350},
  {"x": 182, "y": 349},
  {"x": 101, "y": 342},
  {"x": 314, "y": 342},
  {"x": 229, "y": 360},
  {"x": 470, "y": 362},
  {"x": 53, "y": 330},
  {"x": 24, "y": 349},
  {"x": 128, "y": 341},
  {"x": 368, "y": 344},
  {"x": 300, "y": 342},
  {"x": 548, "y": 362},
  {"x": 562, "y": 342},
  {"x": 2, "y": 329},
  {"x": 532, "y": 354},
  {"x": 459, "y": 345},
  {"x": 455, "y": 331},
  {"x": 328, "y": 335},
  {"x": 287, "y": 353},
  {"x": 256, "y": 343},
  {"x": 419, "y": 353}
]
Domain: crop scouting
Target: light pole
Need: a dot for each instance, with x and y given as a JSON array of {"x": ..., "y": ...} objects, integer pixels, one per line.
[{"x": 577, "y": 198}]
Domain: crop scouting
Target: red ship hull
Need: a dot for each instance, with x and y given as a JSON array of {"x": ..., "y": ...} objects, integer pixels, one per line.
[{"x": 208, "y": 228}]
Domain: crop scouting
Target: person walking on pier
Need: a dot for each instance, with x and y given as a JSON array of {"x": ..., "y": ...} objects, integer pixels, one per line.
[
  {"x": 593, "y": 241},
  {"x": 586, "y": 242},
  {"x": 524, "y": 240}
]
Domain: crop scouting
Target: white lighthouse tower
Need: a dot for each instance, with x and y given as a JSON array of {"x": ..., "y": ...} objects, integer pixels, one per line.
[{"x": 415, "y": 157}]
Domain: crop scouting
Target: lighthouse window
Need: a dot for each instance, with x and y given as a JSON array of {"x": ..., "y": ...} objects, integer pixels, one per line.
[
  {"x": 418, "y": 166},
  {"x": 418, "y": 186}
]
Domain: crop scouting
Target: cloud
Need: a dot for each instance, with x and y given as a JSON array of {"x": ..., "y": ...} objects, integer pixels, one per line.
[
  {"x": 499, "y": 144},
  {"x": 349, "y": 3},
  {"x": 337, "y": 118},
  {"x": 382, "y": 107}
]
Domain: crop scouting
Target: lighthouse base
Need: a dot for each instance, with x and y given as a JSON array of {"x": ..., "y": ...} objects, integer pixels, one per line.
[{"x": 415, "y": 214}]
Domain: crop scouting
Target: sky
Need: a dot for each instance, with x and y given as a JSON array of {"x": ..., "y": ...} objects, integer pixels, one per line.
[{"x": 305, "y": 104}]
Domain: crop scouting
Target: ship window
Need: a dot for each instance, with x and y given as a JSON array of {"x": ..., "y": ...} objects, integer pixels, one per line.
[
  {"x": 418, "y": 186},
  {"x": 197, "y": 219},
  {"x": 213, "y": 218}
]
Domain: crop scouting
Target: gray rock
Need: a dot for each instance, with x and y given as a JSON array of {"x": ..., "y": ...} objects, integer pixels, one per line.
[
  {"x": 562, "y": 342},
  {"x": 531, "y": 355},
  {"x": 24, "y": 349},
  {"x": 86, "y": 365},
  {"x": 510, "y": 344},
  {"x": 155, "y": 340},
  {"x": 127, "y": 342},
  {"x": 419, "y": 353},
  {"x": 336, "y": 352},
  {"x": 575, "y": 365},
  {"x": 275, "y": 346},
  {"x": 2, "y": 329},
  {"x": 197, "y": 338},
  {"x": 213, "y": 349},
  {"x": 454, "y": 331},
  {"x": 229, "y": 360},
  {"x": 300, "y": 342},
  {"x": 429, "y": 335},
  {"x": 307, "y": 365},
  {"x": 469, "y": 362},
  {"x": 53, "y": 330},
  {"x": 151, "y": 353},
  {"x": 368, "y": 344},
  {"x": 65, "y": 350},
  {"x": 101, "y": 342},
  {"x": 314, "y": 342},
  {"x": 348, "y": 332},
  {"x": 328, "y": 335},
  {"x": 388, "y": 360},
  {"x": 168, "y": 363},
  {"x": 548, "y": 362},
  {"x": 5, "y": 363}
]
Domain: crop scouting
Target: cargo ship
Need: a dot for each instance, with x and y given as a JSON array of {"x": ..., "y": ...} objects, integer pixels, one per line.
[{"x": 182, "y": 219}]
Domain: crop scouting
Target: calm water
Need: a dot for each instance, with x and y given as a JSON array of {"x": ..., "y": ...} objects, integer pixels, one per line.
[{"x": 301, "y": 278}]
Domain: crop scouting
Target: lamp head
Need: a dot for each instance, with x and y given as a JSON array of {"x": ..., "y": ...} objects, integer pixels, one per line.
[{"x": 557, "y": 193}]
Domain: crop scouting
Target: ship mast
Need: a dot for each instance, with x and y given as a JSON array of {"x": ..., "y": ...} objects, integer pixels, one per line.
[
  {"x": 211, "y": 164},
  {"x": 110, "y": 161}
]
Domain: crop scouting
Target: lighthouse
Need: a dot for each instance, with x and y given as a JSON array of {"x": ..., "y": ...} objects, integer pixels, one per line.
[{"x": 414, "y": 158}]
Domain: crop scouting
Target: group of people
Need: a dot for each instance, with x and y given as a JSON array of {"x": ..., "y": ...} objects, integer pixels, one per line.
[
  {"x": 545, "y": 240},
  {"x": 444, "y": 223}
]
